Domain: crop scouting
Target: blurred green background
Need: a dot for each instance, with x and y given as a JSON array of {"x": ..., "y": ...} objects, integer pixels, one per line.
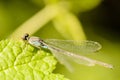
[{"x": 96, "y": 20}]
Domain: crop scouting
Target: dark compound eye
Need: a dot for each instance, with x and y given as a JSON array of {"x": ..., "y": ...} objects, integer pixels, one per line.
[{"x": 25, "y": 37}]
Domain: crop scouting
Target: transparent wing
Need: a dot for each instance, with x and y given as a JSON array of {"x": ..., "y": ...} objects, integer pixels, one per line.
[
  {"x": 65, "y": 56},
  {"x": 75, "y": 46},
  {"x": 62, "y": 59}
]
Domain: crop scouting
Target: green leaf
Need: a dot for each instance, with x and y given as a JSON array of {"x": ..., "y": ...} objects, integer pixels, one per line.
[{"x": 21, "y": 61}]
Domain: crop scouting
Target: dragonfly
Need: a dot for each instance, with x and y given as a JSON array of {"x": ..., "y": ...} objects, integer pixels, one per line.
[{"x": 66, "y": 50}]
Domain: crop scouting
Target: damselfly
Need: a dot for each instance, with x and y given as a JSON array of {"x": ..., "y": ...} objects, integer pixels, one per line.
[{"x": 65, "y": 50}]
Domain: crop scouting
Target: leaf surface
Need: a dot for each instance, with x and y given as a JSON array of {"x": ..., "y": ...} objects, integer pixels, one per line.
[{"x": 20, "y": 61}]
